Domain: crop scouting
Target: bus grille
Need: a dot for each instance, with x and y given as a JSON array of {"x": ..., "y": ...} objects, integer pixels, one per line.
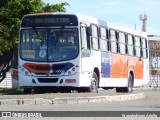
[{"x": 47, "y": 80}]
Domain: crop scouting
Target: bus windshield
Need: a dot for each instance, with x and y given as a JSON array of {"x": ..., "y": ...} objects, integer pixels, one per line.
[{"x": 48, "y": 45}]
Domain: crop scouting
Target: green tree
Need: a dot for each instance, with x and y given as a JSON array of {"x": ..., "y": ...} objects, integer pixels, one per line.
[{"x": 11, "y": 13}]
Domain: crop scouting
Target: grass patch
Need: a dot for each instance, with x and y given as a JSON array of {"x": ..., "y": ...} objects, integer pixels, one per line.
[{"x": 10, "y": 90}]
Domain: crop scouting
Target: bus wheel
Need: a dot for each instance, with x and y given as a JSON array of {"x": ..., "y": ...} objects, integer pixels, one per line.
[
  {"x": 27, "y": 90},
  {"x": 94, "y": 84},
  {"x": 119, "y": 90},
  {"x": 128, "y": 89},
  {"x": 40, "y": 90},
  {"x": 130, "y": 84}
]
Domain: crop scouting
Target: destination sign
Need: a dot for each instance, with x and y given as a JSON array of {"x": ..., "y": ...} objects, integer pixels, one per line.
[
  {"x": 49, "y": 20},
  {"x": 52, "y": 20}
]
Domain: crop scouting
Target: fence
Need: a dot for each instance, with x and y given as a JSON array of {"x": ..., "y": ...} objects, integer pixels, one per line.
[
  {"x": 7, "y": 82},
  {"x": 154, "y": 80}
]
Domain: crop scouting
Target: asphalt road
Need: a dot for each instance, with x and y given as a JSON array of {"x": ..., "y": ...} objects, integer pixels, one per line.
[
  {"x": 149, "y": 103},
  {"x": 67, "y": 98},
  {"x": 20, "y": 95}
]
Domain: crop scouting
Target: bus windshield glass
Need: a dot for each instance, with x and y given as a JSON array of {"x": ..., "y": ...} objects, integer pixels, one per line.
[{"x": 48, "y": 45}]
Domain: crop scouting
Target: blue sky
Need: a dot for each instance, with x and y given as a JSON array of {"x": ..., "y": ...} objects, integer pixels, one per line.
[{"x": 121, "y": 12}]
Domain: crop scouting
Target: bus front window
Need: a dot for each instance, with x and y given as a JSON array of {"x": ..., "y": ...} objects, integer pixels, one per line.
[{"x": 53, "y": 45}]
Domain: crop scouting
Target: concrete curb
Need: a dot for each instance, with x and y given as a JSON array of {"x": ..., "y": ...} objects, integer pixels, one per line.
[
  {"x": 71, "y": 100},
  {"x": 147, "y": 88}
]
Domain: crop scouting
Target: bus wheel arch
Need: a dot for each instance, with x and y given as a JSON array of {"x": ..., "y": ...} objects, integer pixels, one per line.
[
  {"x": 94, "y": 82},
  {"x": 96, "y": 71},
  {"x": 130, "y": 86},
  {"x": 132, "y": 74}
]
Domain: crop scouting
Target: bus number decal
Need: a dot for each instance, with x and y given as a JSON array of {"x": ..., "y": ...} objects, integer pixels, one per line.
[{"x": 131, "y": 63}]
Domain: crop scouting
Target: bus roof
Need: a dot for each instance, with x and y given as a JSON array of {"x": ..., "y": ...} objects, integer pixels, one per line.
[
  {"x": 126, "y": 30},
  {"x": 38, "y": 14},
  {"x": 111, "y": 25},
  {"x": 88, "y": 19},
  {"x": 92, "y": 20}
]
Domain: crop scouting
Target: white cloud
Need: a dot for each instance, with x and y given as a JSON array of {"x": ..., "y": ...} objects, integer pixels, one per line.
[
  {"x": 150, "y": 3},
  {"x": 111, "y": 2}
]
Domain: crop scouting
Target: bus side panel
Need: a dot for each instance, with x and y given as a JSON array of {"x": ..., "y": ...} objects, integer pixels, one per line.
[
  {"x": 121, "y": 65},
  {"x": 118, "y": 66},
  {"x": 136, "y": 65},
  {"x": 124, "y": 67},
  {"x": 138, "y": 69},
  {"x": 145, "y": 71},
  {"x": 105, "y": 65}
]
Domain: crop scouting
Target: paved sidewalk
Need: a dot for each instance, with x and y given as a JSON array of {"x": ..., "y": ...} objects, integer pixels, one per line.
[{"x": 69, "y": 98}]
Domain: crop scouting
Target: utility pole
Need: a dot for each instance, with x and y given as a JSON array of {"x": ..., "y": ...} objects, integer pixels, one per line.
[{"x": 143, "y": 18}]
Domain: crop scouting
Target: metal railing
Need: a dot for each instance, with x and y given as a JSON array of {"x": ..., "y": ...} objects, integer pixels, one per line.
[
  {"x": 7, "y": 82},
  {"x": 154, "y": 80}
]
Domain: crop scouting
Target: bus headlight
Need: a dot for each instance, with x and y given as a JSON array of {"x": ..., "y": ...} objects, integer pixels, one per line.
[
  {"x": 72, "y": 70},
  {"x": 25, "y": 72},
  {"x": 69, "y": 72}
]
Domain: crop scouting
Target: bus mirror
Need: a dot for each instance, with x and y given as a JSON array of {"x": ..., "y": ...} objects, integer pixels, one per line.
[
  {"x": 11, "y": 32},
  {"x": 89, "y": 32}
]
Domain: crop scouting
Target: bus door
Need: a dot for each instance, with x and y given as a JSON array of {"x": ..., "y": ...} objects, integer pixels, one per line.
[
  {"x": 85, "y": 50},
  {"x": 145, "y": 61},
  {"x": 95, "y": 53}
]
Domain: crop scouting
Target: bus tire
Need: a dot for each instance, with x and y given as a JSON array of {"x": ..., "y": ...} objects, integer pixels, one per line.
[
  {"x": 94, "y": 84},
  {"x": 37, "y": 90},
  {"x": 119, "y": 90},
  {"x": 129, "y": 89},
  {"x": 27, "y": 90}
]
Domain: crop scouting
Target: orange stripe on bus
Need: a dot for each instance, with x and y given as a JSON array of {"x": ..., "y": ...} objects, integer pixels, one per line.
[
  {"x": 37, "y": 68},
  {"x": 121, "y": 64}
]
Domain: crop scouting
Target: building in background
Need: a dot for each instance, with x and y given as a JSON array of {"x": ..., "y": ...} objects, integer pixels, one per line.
[{"x": 154, "y": 58}]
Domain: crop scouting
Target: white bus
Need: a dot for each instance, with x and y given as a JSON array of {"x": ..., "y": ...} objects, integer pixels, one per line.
[{"x": 67, "y": 52}]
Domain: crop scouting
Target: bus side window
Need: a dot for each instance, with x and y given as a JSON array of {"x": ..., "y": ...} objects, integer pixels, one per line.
[
  {"x": 108, "y": 36},
  {"x": 84, "y": 38},
  {"x": 94, "y": 40},
  {"x": 117, "y": 41},
  {"x": 122, "y": 43},
  {"x": 113, "y": 41},
  {"x": 126, "y": 41},
  {"x": 130, "y": 45},
  {"x": 137, "y": 46},
  {"x": 144, "y": 47},
  {"x": 85, "y": 44},
  {"x": 141, "y": 52},
  {"x": 103, "y": 39}
]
